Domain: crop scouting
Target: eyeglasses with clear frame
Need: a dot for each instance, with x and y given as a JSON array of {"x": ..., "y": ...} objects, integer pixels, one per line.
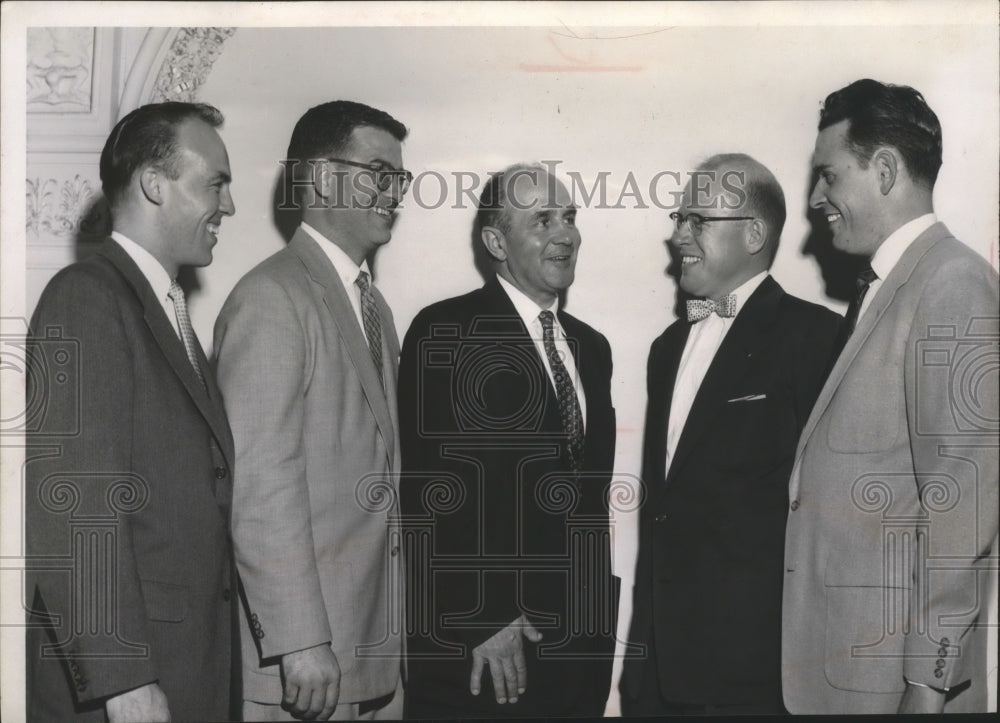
[
  {"x": 384, "y": 175},
  {"x": 696, "y": 222}
]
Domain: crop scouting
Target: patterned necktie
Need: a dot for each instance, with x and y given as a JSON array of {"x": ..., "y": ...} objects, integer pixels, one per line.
[
  {"x": 698, "y": 309},
  {"x": 176, "y": 295},
  {"x": 569, "y": 405},
  {"x": 373, "y": 324},
  {"x": 866, "y": 277}
]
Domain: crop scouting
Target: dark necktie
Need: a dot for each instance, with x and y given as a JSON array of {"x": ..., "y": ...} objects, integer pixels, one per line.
[
  {"x": 569, "y": 405},
  {"x": 698, "y": 309},
  {"x": 372, "y": 322},
  {"x": 865, "y": 279},
  {"x": 176, "y": 295}
]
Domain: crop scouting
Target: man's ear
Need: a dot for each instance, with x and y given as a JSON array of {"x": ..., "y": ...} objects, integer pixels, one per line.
[
  {"x": 495, "y": 243},
  {"x": 756, "y": 237},
  {"x": 151, "y": 180},
  {"x": 887, "y": 167}
]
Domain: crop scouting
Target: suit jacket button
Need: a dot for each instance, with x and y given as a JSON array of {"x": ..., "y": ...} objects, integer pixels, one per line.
[
  {"x": 938, "y": 673},
  {"x": 394, "y": 551},
  {"x": 221, "y": 472},
  {"x": 795, "y": 505},
  {"x": 945, "y": 641},
  {"x": 943, "y": 652}
]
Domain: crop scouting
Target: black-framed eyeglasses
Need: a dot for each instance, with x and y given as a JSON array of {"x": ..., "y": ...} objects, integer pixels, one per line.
[
  {"x": 696, "y": 222},
  {"x": 384, "y": 175}
]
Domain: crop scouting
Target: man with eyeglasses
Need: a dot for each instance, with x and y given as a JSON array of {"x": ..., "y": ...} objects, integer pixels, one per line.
[
  {"x": 307, "y": 361},
  {"x": 730, "y": 387}
]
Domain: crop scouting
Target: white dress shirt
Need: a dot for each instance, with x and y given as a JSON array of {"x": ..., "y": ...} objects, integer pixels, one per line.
[
  {"x": 347, "y": 270},
  {"x": 702, "y": 344},
  {"x": 529, "y": 311},
  {"x": 155, "y": 274},
  {"x": 888, "y": 254}
]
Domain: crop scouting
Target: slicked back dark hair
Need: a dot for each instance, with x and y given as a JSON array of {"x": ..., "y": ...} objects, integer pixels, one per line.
[
  {"x": 325, "y": 130},
  {"x": 881, "y": 114},
  {"x": 148, "y": 137}
]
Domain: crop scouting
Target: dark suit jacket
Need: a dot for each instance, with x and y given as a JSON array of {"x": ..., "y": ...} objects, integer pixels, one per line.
[
  {"x": 127, "y": 503},
  {"x": 495, "y": 524},
  {"x": 709, "y": 569}
]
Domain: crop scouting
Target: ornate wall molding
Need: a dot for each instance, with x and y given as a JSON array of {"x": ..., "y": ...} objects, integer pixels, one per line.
[
  {"x": 64, "y": 208},
  {"x": 188, "y": 63},
  {"x": 60, "y": 69}
]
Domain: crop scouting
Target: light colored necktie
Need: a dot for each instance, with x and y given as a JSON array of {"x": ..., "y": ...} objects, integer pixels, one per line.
[
  {"x": 698, "y": 309},
  {"x": 372, "y": 322},
  {"x": 569, "y": 405},
  {"x": 176, "y": 295}
]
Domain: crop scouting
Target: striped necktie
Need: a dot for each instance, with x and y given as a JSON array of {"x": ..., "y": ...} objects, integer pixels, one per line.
[
  {"x": 569, "y": 405},
  {"x": 372, "y": 322}
]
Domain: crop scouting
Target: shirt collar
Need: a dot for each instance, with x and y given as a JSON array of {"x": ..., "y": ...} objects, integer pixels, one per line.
[
  {"x": 745, "y": 290},
  {"x": 152, "y": 269},
  {"x": 526, "y": 308},
  {"x": 345, "y": 267},
  {"x": 888, "y": 254}
]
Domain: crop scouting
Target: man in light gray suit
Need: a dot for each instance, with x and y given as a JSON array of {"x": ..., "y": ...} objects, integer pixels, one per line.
[
  {"x": 893, "y": 496},
  {"x": 307, "y": 361}
]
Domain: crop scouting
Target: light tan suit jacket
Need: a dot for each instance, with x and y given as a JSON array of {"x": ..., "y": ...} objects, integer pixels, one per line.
[
  {"x": 893, "y": 497},
  {"x": 317, "y": 460}
]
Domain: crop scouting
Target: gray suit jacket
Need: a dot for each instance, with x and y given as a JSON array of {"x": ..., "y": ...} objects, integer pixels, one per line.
[
  {"x": 317, "y": 457},
  {"x": 893, "y": 497},
  {"x": 127, "y": 493}
]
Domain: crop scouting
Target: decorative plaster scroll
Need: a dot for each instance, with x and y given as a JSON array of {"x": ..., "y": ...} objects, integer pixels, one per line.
[
  {"x": 65, "y": 209},
  {"x": 60, "y": 66},
  {"x": 188, "y": 63}
]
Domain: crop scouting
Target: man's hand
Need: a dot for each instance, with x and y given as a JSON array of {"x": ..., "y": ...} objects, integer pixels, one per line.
[
  {"x": 505, "y": 654},
  {"x": 147, "y": 703},
  {"x": 919, "y": 699},
  {"x": 312, "y": 682}
]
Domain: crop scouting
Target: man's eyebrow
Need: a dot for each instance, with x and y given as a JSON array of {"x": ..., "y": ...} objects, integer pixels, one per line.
[{"x": 221, "y": 176}]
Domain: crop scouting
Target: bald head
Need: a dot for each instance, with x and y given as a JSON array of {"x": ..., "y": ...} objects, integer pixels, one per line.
[{"x": 757, "y": 189}]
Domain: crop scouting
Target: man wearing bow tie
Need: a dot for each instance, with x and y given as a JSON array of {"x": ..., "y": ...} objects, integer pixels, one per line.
[{"x": 730, "y": 387}]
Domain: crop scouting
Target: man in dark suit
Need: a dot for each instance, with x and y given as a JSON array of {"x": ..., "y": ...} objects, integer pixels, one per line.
[
  {"x": 729, "y": 388},
  {"x": 508, "y": 437},
  {"x": 131, "y": 592}
]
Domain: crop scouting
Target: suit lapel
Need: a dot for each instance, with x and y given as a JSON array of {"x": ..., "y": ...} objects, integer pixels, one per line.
[
  {"x": 728, "y": 367},
  {"x": 661, "y": 397},
  {"x": 334, "y": 296},
  {"x": 173, "y": 348},
  {"x": 899, "y": 275}
]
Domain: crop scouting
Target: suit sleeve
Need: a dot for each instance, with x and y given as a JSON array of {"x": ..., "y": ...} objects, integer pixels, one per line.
[
  {"x": 444, "y": 492},
  {"x": 263, "y": 370},
  {"x": 951, "y": 413},
  {"x": 106, "y": 649}
]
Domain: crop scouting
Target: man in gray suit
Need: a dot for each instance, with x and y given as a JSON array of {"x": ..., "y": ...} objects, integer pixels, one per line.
[
  {"x": 127, "y": 486},
  {"x": 307, "y": 361},
  {"x": 893, "y": 493}
]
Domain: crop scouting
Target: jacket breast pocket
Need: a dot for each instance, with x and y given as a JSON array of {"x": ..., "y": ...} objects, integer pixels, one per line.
[
  {"x": 865, "y": 621},
  {"x": 753, "y": 433},
  {"x": 865, "y": 413},
  {"x": 165, "y": 602}
]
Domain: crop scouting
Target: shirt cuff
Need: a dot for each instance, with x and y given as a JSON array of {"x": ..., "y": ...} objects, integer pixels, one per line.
[{"x": 924, "y": 685}]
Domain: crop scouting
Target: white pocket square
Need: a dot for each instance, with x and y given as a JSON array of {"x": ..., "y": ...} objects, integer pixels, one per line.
[{"x": 749, "y": 398}]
